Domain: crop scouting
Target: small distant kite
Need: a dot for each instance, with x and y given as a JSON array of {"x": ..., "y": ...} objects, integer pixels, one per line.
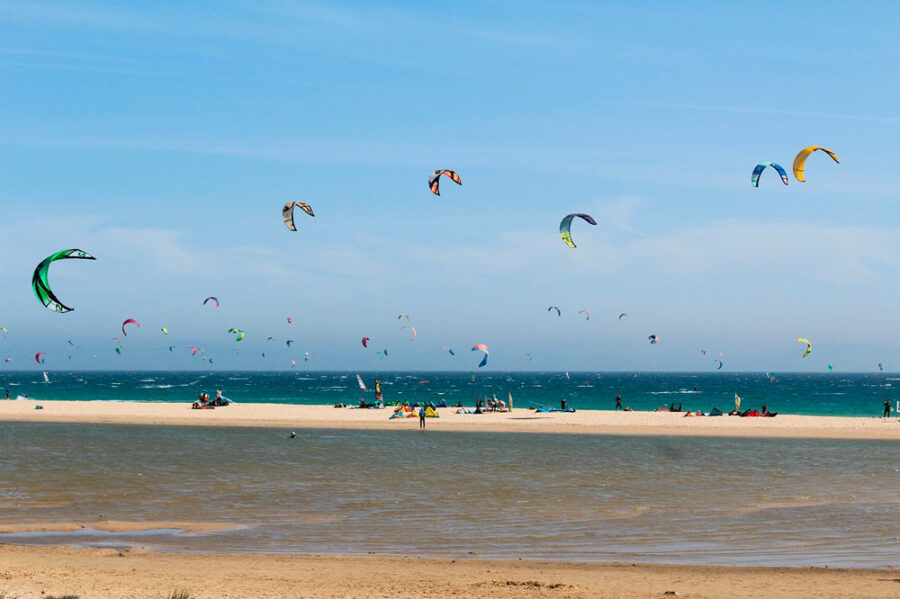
[
  {"x": 565, "y": 226},
  {"x": 41, "y": 286},
  {"x": 290, "y": 320},
  {"x": 434, "y": 180},
  {"x": 238, "y": 332},
  {"x": 623, "y": 315},
  {"x": 754, "y": 177},
  {"x": 830, "y": 367},
  {"x": 587, "y": 315},
  {"x": 130, "y": 321},
  {"x": 800, "y": 160},
  {"x": 482, "y": 348},
  {"x": 413, "y": 329},
  {"x": 5, "y": 332},
  {"x": 164, "y": 330},
  {"x": 558, "y": 311},
  {"x": 654, "y": 339},
  {"x": 287, "y": 213},
  {"x": 365, "y": 342},
  {"x": 808, "y": 345},
  {"x": 880, "y": 367},
  {"x": 448, "y": 350},
  {"x": 289, "y": 342},
  {"x": 703, "y": 351},
  {"x": 193, "y": 350},
  {"x": 215, "y": 301},
  {"x": 39, "y": 357},
  {"x": 720, "y": 364},
  {"x": 403, "y": 315}
]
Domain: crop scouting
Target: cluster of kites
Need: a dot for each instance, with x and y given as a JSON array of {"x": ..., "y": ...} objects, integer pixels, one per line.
[{"x": 48, "y": 298}]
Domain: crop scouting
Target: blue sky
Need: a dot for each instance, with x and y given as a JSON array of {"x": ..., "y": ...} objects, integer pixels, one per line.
[{"x": 165, "y": 138}]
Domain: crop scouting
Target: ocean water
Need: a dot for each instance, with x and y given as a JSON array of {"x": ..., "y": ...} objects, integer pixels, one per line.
[
  {"x": 821, "y": 394},
  {"x": 531, "y": 496}
]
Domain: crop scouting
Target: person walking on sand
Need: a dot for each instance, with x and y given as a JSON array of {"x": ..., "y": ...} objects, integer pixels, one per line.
[
  {"x": 422, "y": 418},
  {"x": 887, "y": 408},
  {"x": 618, "y": 402}
]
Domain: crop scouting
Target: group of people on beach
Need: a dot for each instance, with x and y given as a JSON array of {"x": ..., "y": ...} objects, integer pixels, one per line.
[{"x": 203, "y": 402}]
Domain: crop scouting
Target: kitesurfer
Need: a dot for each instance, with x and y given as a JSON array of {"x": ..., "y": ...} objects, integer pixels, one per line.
[
  {"x": 618, "y": 402},
  {"x": 422, "y": 417},
  {"x": 887, "y": 407},
  {"x": 220, "y": 401},
  {"x": 562, "y": 404}
]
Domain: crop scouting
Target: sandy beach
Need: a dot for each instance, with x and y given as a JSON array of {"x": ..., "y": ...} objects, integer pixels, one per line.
[
  {"x": 33, "y": 572},
  {"x": 519, "y": 420}
]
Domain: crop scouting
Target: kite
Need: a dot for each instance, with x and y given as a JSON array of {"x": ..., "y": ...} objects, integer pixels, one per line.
[
  {"x": 800, "y": 160},
  {"x": 240, "y": 334},
  {"x": 587, "y": 315},
  {"x": 306, "y": 356},
  {"x": 42, "y": 287},
  {"x": 653, "y": 339},
  {"x": 558, "y": 311},
  {"x": 38, "y": 357},
  {"x": 289, "y": 342},
  {"x": 754, "y": 177},
  {"x": 290, "y": 320},
  {"x": 215, "y": 300},
  {"x": 293, "y": 363},
  {"x": 830, "y": 367},
  {"x": 164, "y": 330},
  {"x": 193, "y": 350},
  {"x": 623, "y": 315},
  {"x": 287, "y": 213},
  {"x": 808, "y": 345},
  {"x": 482, "y": 347},
  {"x": 703, "y": 351},
  {"x": 413, "y": 329},
  {"x": 8, "y": 360},
  {"x": 119, "y": 349},
  {"x": 566, "y": 224},
  {"x": 130, "y": 321},
  {"x": 720, "y": 363},
  {"x": 171, "y": 348},
  {"x": 365, "y": 342},
  {"x": 880, "y": 367},
  {"x": 448, "y": 350},
  {"x": 434, "y": 180},
  {"x": 263, "y": 354},
  {"x": 403, "y": 315},
  {"x": 5, "y": 332}
]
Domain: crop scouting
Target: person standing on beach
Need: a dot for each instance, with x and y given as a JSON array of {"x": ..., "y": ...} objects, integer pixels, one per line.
[
  {"x": 887, "y": 408},
  {"x": 422, "y": 417},
  {"x": 618, "y": 402},
  {"x": 7, "y": 393}
]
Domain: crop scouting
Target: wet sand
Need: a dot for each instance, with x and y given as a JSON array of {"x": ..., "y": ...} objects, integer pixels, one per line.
[
  {"x": 33, "y": 572},
  {"x": 519, "y": 420}
]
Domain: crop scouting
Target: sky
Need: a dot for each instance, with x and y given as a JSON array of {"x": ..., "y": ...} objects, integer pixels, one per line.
[{"x": 164, "y": 139}]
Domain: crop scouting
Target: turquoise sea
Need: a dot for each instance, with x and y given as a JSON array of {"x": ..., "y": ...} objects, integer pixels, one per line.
[{"x": 820, "y": 394}]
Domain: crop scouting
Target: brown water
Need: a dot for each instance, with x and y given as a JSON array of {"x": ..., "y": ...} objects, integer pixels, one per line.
[{"x": 583, "y": 497}]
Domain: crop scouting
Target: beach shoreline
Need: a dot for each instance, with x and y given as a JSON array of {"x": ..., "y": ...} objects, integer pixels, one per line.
[
  {"x": 600, "y": 422},
  {"x": 32, "y": 572}
]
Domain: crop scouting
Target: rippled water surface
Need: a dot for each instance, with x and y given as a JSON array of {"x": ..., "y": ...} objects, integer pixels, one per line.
[{"x": 580, "y": 497}]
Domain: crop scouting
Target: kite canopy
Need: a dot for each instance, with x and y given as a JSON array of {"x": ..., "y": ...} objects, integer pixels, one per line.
[
  {"x": 130, "y": 321},
  {"x": 808, "y": 345},
  {"x": 411, "y": 328},
  {"x": 240, "y": 334},
  {"x": 654, "y": 339},
  {"x": 214, "y": 299},
  {"x": 623, "y": 315},
  {"x": 754, "y": 177},
  {"x": 800, "y": 160},
  {"x": 434, "y": 180},
  {"x": 558, "y": 311},
  {"x": 41, "y": 286},
  {"x": 565, "y": 226},
  {"x": 720, "y": 364},
  {"x": 483, "y": 348},
  {"x": 164, "y": 330},
  {"x": 287, "y": 213},
  {"x": 403, "y": 315},
  {"x": 39, "y": 357},
  {"x": 365, "y": 342},
  {"x": 587, "y": 315}
]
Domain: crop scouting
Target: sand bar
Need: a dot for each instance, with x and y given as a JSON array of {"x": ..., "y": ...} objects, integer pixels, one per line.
[
  {"x": 33, "y": 572},
  {"x": 519, "y": 420}
]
